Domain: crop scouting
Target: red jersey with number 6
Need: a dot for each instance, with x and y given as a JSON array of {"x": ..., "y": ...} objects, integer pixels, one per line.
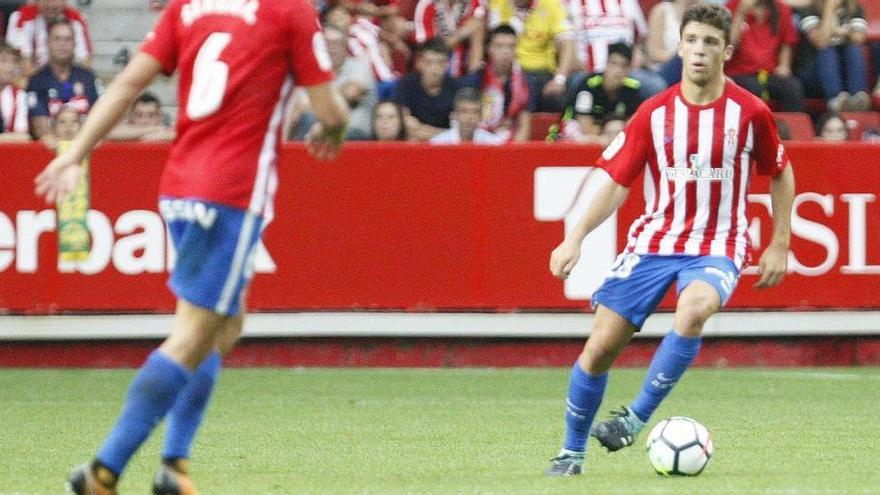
[
  {"x": 697, "y": 160},
  {"x": 237, "y": 60}
]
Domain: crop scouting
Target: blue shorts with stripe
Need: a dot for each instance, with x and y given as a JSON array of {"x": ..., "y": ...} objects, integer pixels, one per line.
[
  {"x": 636, "y": 284},
  {"x": 215, "y": 246}
]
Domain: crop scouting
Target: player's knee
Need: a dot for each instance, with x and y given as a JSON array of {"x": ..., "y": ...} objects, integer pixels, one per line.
[{"x": 694, "y": 310}]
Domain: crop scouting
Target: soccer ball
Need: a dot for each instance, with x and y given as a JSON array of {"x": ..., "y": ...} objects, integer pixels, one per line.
[{"x": 679, "y": 446}]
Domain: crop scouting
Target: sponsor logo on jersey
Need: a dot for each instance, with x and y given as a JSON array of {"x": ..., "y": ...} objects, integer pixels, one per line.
[{"x": 699, "y": 171}]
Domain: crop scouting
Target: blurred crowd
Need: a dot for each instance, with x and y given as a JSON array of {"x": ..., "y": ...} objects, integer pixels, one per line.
[{"x": 451, "y": 71}]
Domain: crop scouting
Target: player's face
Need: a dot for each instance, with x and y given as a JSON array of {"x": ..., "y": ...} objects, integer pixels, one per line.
[
  {"x": 502, "y": 50},
  {"x": 9, "y": 68},
  {"x": 616, "y": 69},
  {"x": 432, "y": 66},
  {"x": 703, "y": 51},
  {"x": 468, "y": 116},
  {"x": 145, "y": 114},
  {"x": 386, "y": 123},
  {"x": 61, "y": 44}
]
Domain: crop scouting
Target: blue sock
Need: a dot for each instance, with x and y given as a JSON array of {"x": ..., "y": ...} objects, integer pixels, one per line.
[
  {"x": 150, "y": 396},
  {"x": 670, "y": 362},
  {"x": 585, "y": 393},
  {"x": 186, "y": 415}
]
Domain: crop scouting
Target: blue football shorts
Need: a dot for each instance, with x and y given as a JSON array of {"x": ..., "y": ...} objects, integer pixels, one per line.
[
  {"x": 215, "y": 247},
  {"x": 636, "y": 284}
]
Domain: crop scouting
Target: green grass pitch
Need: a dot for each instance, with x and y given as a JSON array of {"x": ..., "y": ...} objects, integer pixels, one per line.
[{"x": 454, "y": 431}]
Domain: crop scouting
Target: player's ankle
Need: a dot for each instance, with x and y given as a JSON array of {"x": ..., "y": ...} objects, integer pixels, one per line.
[
  {"x": 103, "y": 474},
  {"x": 179, "y": 464}
]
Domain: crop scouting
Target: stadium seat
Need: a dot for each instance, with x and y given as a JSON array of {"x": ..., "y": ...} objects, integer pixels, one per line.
[
  {"x": 541, "y": 122},
  {"x": 799, "y": 124},
  {"x": 858, "y": 122}
]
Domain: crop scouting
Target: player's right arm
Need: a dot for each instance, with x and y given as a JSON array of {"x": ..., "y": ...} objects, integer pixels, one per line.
[
  {"x": 62, "y": 173},
  {"x": 623, "y": 160},
  {"x": 609, "y": 198}
]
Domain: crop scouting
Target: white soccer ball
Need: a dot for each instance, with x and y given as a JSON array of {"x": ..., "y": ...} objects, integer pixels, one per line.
[{"x": 679, "y": 446}]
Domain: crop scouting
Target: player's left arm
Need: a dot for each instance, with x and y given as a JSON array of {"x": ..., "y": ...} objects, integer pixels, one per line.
[
  {"x": 774, "y": 261},
  {"x": 62, "y": 173},
  {"x": 771, "y": 159}
]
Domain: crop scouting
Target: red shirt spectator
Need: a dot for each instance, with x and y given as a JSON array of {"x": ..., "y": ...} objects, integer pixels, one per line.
[
  {"x": 458, "y": 24},
  {"x": 27, "y": 31},
  {"x": 759, "y": 45}
]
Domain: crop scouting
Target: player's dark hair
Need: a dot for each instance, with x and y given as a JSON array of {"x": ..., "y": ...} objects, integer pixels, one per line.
[
  {"x": 435, "y": 45},
  {"x": 147, "y": 97},
  {"x": 500, "y": 29},
  {"x": 621, "y": 49},
  {"x": 467, "y": 95},
  {"x": 710, "y": 14},
  {"x": 11, "y": 50}
]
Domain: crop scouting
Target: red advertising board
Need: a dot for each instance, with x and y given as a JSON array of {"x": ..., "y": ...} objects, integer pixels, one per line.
[{"x": 419, "y": 228}]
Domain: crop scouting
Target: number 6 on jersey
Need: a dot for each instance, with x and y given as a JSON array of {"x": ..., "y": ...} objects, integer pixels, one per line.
[{"x": 209, "y": 78}]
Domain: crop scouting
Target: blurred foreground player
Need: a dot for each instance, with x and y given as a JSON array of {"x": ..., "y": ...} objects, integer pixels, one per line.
[
  {"x": 696, "y": 143},
  {"x": 237, "y": 62}
]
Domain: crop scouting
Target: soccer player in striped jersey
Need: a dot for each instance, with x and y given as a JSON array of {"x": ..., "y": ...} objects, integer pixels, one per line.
[
  {"x": 695, "y": 144},
  {"x": 237, "y": 61}
]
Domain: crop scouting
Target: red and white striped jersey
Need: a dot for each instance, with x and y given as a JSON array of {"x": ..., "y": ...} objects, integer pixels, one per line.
[
  {"x": 27, "y": 32},
  {"x": 363, "y": 39},
  {"x": 698, "y": 161},
  {"x": 13, "y": 109},
  {"x": 600, "y": 23},
  {"x": 440, "y": 19},
  {"x": 236, "y": 61}
]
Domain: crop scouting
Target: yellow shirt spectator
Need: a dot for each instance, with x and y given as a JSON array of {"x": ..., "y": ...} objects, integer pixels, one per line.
[{"x": 539, "y": 25}]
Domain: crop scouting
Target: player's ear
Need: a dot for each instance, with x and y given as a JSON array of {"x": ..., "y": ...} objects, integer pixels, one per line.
[{"x": 728, "y": 53}]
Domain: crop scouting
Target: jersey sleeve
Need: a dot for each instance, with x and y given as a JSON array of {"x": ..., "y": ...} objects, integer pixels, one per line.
[
  {"x": 769, "y": 153},
  {"x": 626, "y": 156},
  {"x": 161, "y": 42},
  {"x": 309, "y": 59}
]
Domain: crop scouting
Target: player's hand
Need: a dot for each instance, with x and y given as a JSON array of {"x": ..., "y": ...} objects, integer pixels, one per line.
[
  {"x": 564, "y": 258},
  {"x": 58, "y": 179},
  {"x": 324, "y": 144},
  {"x": 772, "y": 267}
]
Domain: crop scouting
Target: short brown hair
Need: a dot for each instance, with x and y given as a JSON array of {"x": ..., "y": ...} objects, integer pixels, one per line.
[
  {"x": 11, "y": 50},
  {"x": 710, "y": 14}
]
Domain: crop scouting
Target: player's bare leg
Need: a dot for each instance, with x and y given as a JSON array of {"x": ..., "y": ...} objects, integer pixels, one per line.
[
  {"x": 184, "y": 419},
  {"x": 696, "y": 303},
  {"x": 610, "y": 334}
]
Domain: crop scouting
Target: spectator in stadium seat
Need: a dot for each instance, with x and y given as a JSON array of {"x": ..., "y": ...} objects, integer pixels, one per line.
[
  {"x": 427, "y": 93},
  {"x": 783, "y": 129},
  {"x": 830, "y": 59},
  {"x": 595, "y": 99},
  {"x": 461, "y": 26},
  {"x": 832, "y": 127},
  {"x": 600, "y": 24},
  {"x": 388, "y": 122},
  {"x": 661, "y": 42},
  {"x": 28, "y": 30},
  {"x": 546, "y": 46},
  {"x": 764, "y": 38},
  {"x": 13, "y": 100},
  {"x": 611, "y": 128},
  {"x": 60, "y": 82},
  {"x": 365, "y": 39},
  {"x": 465, "y": 122},
  {"x": 507, "y": 101},
  {"x": 145, "y": 122}
]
